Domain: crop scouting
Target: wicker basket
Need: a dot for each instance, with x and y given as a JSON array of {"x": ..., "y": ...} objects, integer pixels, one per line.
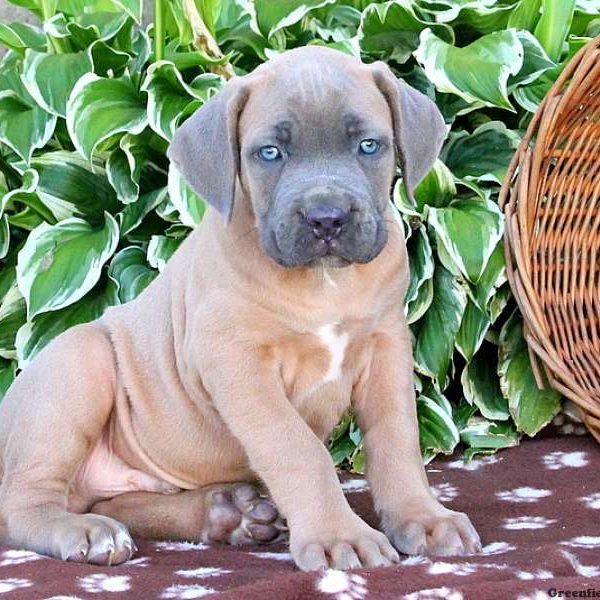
[{"x": 551, "y": 199}]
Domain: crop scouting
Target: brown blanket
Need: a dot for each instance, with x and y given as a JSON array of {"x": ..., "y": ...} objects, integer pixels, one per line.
[{"x": 536, "y": 506}]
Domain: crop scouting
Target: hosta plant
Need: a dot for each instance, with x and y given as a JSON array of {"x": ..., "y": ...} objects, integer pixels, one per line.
[{"x": 90, "y": 210}]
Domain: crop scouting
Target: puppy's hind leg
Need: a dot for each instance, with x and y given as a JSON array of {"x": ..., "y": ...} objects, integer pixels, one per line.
[
  {"x": 232, "y": 513},
  {"x": 49, "y": 420}
]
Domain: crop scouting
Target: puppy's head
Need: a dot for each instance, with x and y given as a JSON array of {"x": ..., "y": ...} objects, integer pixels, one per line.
[{"x": 312, "y": 137}]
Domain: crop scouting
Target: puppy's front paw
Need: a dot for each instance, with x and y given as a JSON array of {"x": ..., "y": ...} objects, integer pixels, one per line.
[
  {"x": 347, "y": 546},
  {"x": 430, "y": 528}
]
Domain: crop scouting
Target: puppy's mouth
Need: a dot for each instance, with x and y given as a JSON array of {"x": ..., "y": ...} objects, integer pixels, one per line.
[
  {"x": 310, "y": 252},
  {"x": 328, "y": 254}
]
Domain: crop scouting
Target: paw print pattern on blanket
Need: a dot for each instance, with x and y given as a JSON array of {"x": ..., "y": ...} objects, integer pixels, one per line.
[
  {"x": 523, "y": 494},
  {"x": 592, "y": 500},
  {"x": 527, "y": 522},
  {"x": 584, "y": 541},
  {"x": 535, "y": 505},
  {"x": 560, "y": 460},
  {"x": 186, "y": 591},
  {"x": 445, "y": 492},
  {"x": 342, "y": 586},
  {"x": 442, "y": 593},
  {"x": 18, "y": 557},
  {"x": 13, "y": 584},
  {"x": 104, "y": 582}
]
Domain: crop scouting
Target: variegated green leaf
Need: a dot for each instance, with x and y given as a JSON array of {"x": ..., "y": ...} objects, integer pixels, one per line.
[
  {"x": 437, "y": 431},
  {"x": 481, "y": 387},
  {"x": 418, "y": 298},
  {"x": 271, "y": 16},
  {"x": 473, "y": 327},
  {"x": 4, "y": 236},
  {"x": 133, "y": 214},
  {"x": 436, "y": 332},
  {"x": 469, "y": 230},
  {"x": 170, "y": 99},
  {"x": 437, "y": 188},
  {"x": 391, "y": 29},
  {"x": 493, "y": 57},
  {"x": 493, "y": 276},
  {"x": 100, "y": 108},
  {"x": 12, "y": 316},
  {"x": 27, "y": 195},
  {"x": 130, "y": 272},
  {"x": 530, "y": 407},
  {"x": 50, "y": 78},
  {"x": 160, "y": 250},
  {"x": 483, "y": 155},
  {"x": 20, "y": 36},
  {"x": 535, "y": 61},
  {"x": 37, "y": 333},
  {"x": 24, "y": 126},
  {"x": 553, "y": 26},
  {"x": 483, "y": 436},
  {"x": 190, "y": 206},
  {"x": 134, "y": 164},
  {"x": 69, "y": 186},
  {"x": 59, "y": 264},
  {"x": 8, "y": 372}
]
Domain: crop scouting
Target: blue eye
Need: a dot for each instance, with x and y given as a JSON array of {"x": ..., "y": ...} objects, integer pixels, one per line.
[
  {"x": 369, "y": 147},
  {"x": 269, "y": 153}
]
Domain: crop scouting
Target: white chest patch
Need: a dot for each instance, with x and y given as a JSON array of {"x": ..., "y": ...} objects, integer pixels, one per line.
[
  {"x": 328, "y": 280},
  {"x": 336, "y": 344}
]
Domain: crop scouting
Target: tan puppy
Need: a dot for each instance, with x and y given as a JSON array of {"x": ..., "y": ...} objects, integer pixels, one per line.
[{"x": 234, "y": 365}]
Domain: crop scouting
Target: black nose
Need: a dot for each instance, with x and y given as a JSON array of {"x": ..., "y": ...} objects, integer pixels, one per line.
[{"x": 326, "y": 221}]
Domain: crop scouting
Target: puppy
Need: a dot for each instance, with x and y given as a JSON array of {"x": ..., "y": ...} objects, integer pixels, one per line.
[{"x": 279, "y": 312}]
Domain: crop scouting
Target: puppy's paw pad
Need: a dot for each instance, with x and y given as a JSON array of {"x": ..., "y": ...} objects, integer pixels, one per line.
[{"x": 238, "y": 514}]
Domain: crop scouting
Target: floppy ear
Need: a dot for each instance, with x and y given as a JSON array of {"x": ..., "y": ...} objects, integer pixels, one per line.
[
  {"x": 419, "y": 128},
  {"x": 205, "y": 148}
]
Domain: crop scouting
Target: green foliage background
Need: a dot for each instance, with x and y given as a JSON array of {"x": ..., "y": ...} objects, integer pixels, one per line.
[{"x": 90, "y": 210}]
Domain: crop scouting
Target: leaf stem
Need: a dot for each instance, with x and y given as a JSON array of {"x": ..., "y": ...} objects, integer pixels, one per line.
[
  {"x": 159, "y": 30},
  {"x": 204, "y": 40},
  {"x": 48, "y": 10}
]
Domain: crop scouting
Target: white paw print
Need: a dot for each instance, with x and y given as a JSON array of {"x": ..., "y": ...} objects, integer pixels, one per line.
[
  {"x": 142, "y": 561},
  {"x": 12, "y": 584},
  {"x": 445, "y": 492},
  {"x": 18, "y": 557},
  {"x": 442, "y": 593},
  {"x": 559, "y": 460},
  {"x": 523, "y": 494},
  {"x": 475, "y": 464},
  {"x": 187, "y": 591},
  {"x": 355, "y": 485},
  {"x": 497, "y": 548},
  {"x": 592, "y": 501},
  {"x": 539, "y": 574},
  {"x": 462, "y": 569},
  {"x": 583, "y": 541},
  {"x": 446, "y": 568},
  {"x": 179, "y": 546},
  {"x": 100, "y": 582},
  {"x": 202, "y": 572},
  {"x": 527, "y": 522},
  {"x": 341, "y": 585},
  {"x": 583, "y": 570},
  {"x": 273, "y": 555}
]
